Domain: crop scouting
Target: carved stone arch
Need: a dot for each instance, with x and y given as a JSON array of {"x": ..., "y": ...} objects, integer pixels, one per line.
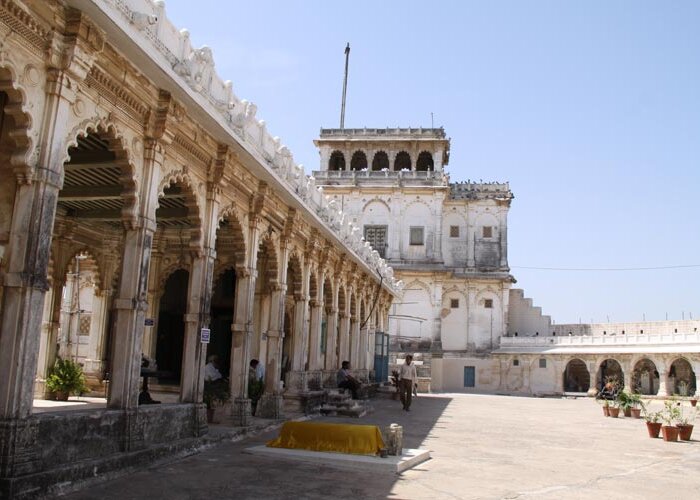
[
  {"x": 336, "y": 161},
  {"x": 295, "y": 273},
  {"x": 329, "y": 288},
  {"x": 118, "y": 145},
  {"x": 91, "y": 262},
  {"x": 194, "y": 213},
  {"x": 220, "y": 270},
  {"x": 413, "y": 203},
  {"x": 314, "y": 283},
  {"x": 462, "y": 293},
  {"x": 342, "y": 298},
  {"x": 18, "y": 107},
  {"x": 230, "y": 229},
  {"x": 425, "y": 161},
  {"x": 376, "y": 200},
  {"x": 380, "y": 161},
  {"x": 423, "y": 286},
  {"x": 402, "y": 161},
  {"x": 270, "y": 273},
  {"x": 358, "y": 160},
  {"x": 169, "y": 269}
]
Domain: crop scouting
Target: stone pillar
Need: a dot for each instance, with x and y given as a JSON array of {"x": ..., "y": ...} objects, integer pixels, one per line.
[
  {"x": 332, "y": 362},
  {"x": 663, "y": 382},
  {"x": 471, "y": 240},
  {"x": 130, "y": 303},
  {"x": 242, "y": 333},
  {"x": 593, "y": 375},
  {"x": 196, "y": 318},
  {"x": 627, "y": 376},
  {"x": 301, "y": 303},
  {"x": 354, "y": 341},
  {"x": 315, "y": 334},
  {"x": 503, "y": 235},
  {"x": 271, "y": 404},
  {"x": 344, "y": 338}
]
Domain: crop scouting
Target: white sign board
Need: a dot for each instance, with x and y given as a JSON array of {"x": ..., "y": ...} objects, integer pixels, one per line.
[{"x": 205, "y": 335}]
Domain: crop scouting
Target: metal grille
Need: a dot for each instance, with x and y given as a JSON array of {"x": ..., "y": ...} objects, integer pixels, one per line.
[{"x": 376, "y": 236}]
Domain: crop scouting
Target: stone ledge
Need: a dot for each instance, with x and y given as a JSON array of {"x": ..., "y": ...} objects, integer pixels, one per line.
[{"x": 389, "y": 465}]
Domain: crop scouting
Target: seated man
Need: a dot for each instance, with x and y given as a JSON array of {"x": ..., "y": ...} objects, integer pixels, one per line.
[
  {"x": 347, "y": 381},
  {"x": 211, "y": 369}
]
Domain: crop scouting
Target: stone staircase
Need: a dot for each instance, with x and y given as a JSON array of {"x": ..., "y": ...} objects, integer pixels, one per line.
[{"x": 340, "y": 404}]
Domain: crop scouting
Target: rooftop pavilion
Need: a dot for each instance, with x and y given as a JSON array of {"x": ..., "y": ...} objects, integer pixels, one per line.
[{"x": 383, "y": 149}]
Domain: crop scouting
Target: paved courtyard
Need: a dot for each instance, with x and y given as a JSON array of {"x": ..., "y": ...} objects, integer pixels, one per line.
[{"x": 482, "y": 447}]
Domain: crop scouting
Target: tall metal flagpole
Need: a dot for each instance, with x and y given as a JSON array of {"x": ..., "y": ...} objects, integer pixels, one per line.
[{"x": 345, "y": 87}]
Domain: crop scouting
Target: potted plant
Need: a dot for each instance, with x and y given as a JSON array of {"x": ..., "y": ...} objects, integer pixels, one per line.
[
  {"x": 625, "y": 400},
  {"x": 653, "y": 421},
  {"x": 614, "y": 409},
  {"x": 395, "y": 383},
  {"x": 693, "y": 401},
  {"x": 215, "y": 392},
  {"x": 685, "y": 424},
  {"x": 670, "y": 416},
  {"x": 634, "y": 400},
  {"x": 65, "y": 378}
]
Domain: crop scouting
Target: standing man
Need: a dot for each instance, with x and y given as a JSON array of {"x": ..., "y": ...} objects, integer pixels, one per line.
[{"x": 407, "y": 377}]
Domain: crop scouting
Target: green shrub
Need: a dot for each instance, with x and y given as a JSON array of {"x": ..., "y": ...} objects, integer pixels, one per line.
[{"x": 66, "y": 376}]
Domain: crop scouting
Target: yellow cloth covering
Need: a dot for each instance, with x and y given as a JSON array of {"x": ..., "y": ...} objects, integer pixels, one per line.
[{"x": 339, "y": 438}]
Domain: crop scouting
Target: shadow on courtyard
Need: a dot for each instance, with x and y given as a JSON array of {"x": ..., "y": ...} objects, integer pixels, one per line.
[{"x": 226, "y": 471}]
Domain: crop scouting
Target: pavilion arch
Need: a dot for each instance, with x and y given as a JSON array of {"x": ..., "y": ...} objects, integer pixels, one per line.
[
  {"x": 337, "y": 161},
  {"x": 681, "y": 377},
  {"x": 295, "y": 275},
  {"x": 645, "y": 377},
  {"x": 425, "y": 162},
  {"x": 313, "y": 285},
  {"x": 577, "y": 378},
  {"x": 178, "y": 207},
  {"x": 417, "y": 284},
  {"x": 402, "y": 161},
  {"x": 610, "y": 369},
  {"x": 342, "y": 299},
  {"x": 14, "y": 99},
  {"x": 267, "y": 264},
  {"x": 230, "y": 238},
  {"x": 380, "y": 161},
  {"x": 358, "y": 161}
]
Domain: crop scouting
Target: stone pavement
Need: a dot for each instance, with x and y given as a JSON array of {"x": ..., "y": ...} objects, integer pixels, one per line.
[{"x": 488, "y": 447}]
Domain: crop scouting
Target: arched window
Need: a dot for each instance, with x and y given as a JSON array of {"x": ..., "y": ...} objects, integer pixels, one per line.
[
  {"x": 359, "y": 161},
  {"x": 337, "y": 161},
  {"x": 403, "y": 161},
  {"x": 425, "y": 161},
  {"x": 380, "y": 161}
]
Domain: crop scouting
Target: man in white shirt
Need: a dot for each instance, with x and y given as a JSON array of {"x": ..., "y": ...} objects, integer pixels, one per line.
[
  {"x": 407, "y": 377},
  {"x": 211, "y": 369}
]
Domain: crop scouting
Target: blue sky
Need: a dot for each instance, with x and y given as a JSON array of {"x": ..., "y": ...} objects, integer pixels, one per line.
[{"x": 591, "y": 110}]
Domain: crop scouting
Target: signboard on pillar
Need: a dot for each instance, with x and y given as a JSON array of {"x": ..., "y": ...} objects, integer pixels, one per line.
[{"x": 205, "y": 335}]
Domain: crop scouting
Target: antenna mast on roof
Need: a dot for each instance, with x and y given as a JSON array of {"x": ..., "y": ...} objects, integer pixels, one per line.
[{"x": 345, "y": 87}]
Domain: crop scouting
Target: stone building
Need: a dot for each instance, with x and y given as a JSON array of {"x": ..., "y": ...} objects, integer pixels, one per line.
[
  {"x": 446, "y": 241},
  {"x": 468, "y": 329},
  {"x": 655, "y": 358},
  {"x": 142, "y": 201}
]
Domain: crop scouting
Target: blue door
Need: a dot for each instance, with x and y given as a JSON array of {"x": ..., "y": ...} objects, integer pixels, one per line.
[
  {"x": 381, "y": 357},
  {"x": 469, "y": 378}
]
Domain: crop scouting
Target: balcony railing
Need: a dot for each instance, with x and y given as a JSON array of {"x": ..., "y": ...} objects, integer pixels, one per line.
[{"x": 603, "y": 340}]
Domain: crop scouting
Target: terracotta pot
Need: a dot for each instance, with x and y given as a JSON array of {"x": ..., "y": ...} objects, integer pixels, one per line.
[
  {"x": 685, "y": 431},
  {"x": 627, "y": 412},
  {"x": 669, "y": 432},
  {"x": 653, "y": 428},
  {"x": 606, "y": 411},
  {"x": 693, "y": 402},
  {"x": 614, "y": 412},
  {"x": 62, "y": 395},
  {"x": 636, "y": 412}
]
